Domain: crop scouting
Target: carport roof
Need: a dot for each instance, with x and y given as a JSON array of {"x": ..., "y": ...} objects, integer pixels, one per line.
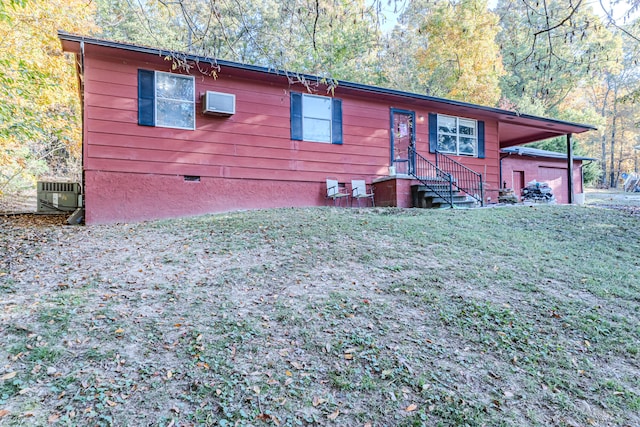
[
  {"x": 535, "y": 152},
  {"x": 513, "y": 128}
]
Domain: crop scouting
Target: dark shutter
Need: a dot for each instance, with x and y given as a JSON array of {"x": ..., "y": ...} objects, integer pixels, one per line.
[
  {"x": 480, "y": 139},
  {"x": 146, "y": 98},
  {"x": 433, "y": 132},
  {"x": 336, "y": 122},
  {"x": 296, "y": 116}
]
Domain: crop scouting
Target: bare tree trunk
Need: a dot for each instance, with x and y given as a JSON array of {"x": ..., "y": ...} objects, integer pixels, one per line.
[
  {"x": 612, "y": 173},
  {"x": 603, "y": 162},
  {"x": 603, "y": 113},
  {"x": 612, "y": 178}
]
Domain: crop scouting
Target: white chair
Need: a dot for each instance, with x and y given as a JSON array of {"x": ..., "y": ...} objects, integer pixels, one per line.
[
  {"x": 359, "y": 191},
  {"x": 336, "y": 192}
]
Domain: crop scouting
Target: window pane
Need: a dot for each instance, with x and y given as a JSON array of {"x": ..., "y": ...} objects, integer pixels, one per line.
[
  {"x": 173, "y": 86},
  {"x": 316, "y": 130},
  {"x": 467, "y": 127},
  {"x": 447, "y": 124},
  {"x": 468, "y": 146},
  {"x": 318, "y": 107},
  {"x": 177, "y": 114},
  {"x": 447, "y": 143}
]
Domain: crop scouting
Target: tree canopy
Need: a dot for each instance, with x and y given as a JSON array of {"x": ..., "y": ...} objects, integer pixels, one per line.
[
  {"x": 570, "y": 59},
  {"x": 39, "y": 106}
]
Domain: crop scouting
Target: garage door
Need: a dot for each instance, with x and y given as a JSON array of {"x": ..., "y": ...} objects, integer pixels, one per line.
[{"x": 557, "y": 180}]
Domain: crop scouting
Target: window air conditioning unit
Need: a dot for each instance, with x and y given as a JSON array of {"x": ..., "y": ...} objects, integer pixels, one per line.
[
  {"x": 219, "y": 104},
  {"x": 56, "y": 197}
]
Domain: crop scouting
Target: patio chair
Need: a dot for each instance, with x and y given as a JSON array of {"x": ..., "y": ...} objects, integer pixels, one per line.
[
  {"x": 336, "y": 192},
  {"x": 359, "y": 191}
]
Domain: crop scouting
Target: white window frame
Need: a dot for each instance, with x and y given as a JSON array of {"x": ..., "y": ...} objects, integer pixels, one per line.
[
  {"x": 457, "y": 135},
  {"x": 309, "y": 115},
  {"x": 192, "y": 101}
]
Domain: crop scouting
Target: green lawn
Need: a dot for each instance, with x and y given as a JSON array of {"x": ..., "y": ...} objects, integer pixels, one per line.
[{"x": 353, "y": 317}]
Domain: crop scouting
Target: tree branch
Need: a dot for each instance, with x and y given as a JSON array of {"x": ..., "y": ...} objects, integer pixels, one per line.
[
  {"x": 315, "y": 25},
  {"x": 549, "y": 29},
  {"x": 613, "y": 22}
]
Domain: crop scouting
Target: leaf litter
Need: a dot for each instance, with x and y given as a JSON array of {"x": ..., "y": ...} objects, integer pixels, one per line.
[{"x": 322, "y": 316}]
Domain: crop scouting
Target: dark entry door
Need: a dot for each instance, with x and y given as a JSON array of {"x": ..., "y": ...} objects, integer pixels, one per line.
[{"x": 402, "y": 137}]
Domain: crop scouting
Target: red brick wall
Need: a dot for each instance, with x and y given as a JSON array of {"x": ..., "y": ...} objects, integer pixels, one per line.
[{"x": 394, "y": 192}]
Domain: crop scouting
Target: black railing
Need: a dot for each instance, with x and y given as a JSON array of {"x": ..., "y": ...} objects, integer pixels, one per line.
[
  {"x": 432, "y": 177},
  {"x": 464, "y": 179}
]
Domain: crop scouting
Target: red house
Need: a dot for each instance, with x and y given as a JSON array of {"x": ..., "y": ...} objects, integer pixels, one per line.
[
  {"x": 521, "y": 165},
  {"x": 162, "y": 142}
]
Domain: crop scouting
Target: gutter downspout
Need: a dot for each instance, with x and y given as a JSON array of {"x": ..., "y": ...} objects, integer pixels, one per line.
[
  {"x": 79, "y": 215},
  {"x": 82, "y": 114}
]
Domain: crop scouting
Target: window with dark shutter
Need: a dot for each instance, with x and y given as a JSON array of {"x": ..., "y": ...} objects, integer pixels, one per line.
[
  {"x": 166, "y": 100},
  {"x": 456, "y": 135},
  {"x": 316, "y": 118}
]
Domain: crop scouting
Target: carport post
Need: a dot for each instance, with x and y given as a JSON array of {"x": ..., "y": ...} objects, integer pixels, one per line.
[{"x": 570, "y": 170}]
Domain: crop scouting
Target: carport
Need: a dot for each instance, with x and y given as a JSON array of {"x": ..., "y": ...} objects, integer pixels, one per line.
[{"x": 520, "y": 165}]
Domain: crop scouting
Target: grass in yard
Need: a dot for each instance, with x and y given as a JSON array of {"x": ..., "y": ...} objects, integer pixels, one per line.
[{"x": 351, "y": 317}]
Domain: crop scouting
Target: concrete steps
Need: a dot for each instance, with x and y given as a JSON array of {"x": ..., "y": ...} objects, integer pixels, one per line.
[{"x": 425, "y": 197}]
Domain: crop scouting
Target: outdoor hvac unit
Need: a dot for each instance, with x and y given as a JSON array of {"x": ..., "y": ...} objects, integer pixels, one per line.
[
  {"x": 219, "y": 104},
  {"x": 56, "y": 197}
]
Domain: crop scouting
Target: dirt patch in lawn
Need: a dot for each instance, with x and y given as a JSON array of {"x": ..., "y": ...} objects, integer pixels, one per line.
[{"x": 520, "y": 316}]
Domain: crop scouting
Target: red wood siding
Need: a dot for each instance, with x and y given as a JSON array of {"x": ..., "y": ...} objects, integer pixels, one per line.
[
  {"x": 551, "y": 171},
  {"x": 131, "y": 169}
]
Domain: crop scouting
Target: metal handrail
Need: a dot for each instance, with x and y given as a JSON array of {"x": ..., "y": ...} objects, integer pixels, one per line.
[
  {"x": 465, "y": 180},
  {"x": 429, "y": 174}
]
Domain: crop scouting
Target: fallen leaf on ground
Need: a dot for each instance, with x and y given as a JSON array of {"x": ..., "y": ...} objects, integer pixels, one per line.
[
  {"x": 4, "y": 413},
  {"x": 53, "y": 418},
  {"x": 8, "y": 375},
  {"x": 268, "y": 417},
  {"x": 318, "y": 401},
  {"x": 411, "y": 407},
  {"x": 334, "y": 415}
]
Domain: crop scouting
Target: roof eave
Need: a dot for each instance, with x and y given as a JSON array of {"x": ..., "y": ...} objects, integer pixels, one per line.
[{"x": 65, "y": 36}]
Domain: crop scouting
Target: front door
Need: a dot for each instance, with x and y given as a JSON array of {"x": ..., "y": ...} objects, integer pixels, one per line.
[{"x": 403, "y": 136}]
